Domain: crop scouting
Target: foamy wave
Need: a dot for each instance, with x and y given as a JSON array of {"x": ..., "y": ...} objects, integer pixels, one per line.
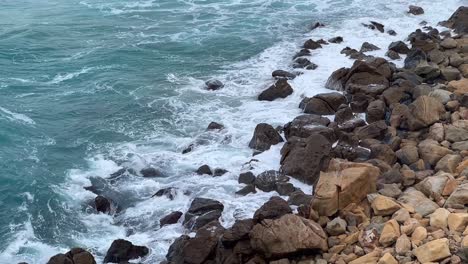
[{"x": 12, "y": 116}]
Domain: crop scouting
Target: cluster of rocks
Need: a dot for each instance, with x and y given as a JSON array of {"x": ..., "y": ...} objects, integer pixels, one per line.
[{"x": 390, "y": 188}]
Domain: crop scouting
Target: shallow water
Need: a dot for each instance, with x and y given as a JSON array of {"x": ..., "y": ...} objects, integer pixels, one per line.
[{"x": 90, "y": 87}]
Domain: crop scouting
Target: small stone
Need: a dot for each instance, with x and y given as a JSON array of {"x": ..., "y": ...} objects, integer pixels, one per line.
[
  {"x": 246, "y": 178},
  {"x": 401, "y": 215},
  {"x": 390, "y": 233},
  {"x": 383, "y": 205},
  {"x": 336, "y": 227},
  {"x": 403, "y": 245},
  {"x": 433, "y": 251},
  {"x": 419, "y": 234},
  {"x": 439, "y": 218},
  {"x": 416, "y": 10},
  {"x": 457, "y": 222},
  {"x": 387, "y": 259}
]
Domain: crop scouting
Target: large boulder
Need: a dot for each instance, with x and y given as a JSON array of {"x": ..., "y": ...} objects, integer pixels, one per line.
[
  {"x": 459, "y": 196},
  {"x": 122, "y": 251},
  {"x": 267, "y": 181},
  {"x": 272, "y": 209},
  {"x": 338, "y": 79},
  {"x": 311, "y": 44},
  {"x": 239, "y": 231},
  {"x": 375, "y": 111},
  {"x": 323, "y": 104},
  {"x": 431, "y": 152},
  {"x": 366, "y": 79},
  {"x": 288, "y": 235},
  {"x": 433, "y": 251},
  {"x": 202, "y": 211},
  {"x": 427, "y": 110},
  {"x": 281, "y": 89},
  {"x": 303, "y": 158},
  {"x": 304, "y": 126},
  {"x": 102, "y": 204},
  {"x": 459, "y": 20},
  {"x": 74, "y": 256},
  {"x": 343, "y": 183},
  {"x": 264, "y": 137}
]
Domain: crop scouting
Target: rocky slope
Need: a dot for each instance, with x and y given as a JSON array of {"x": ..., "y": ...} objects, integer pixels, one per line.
[{"x": 389, "y": 188}]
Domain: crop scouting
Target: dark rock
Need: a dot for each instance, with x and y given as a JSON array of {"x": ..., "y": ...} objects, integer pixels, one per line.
[
  {"x": 219, "y": 172},
  {"x": 246, "y": 178},
  {"x": 366, "y": 46},
  {"x": 351, "y": 125},
  {"x": 375, "y": 111},
  {"x": 150, "y": 172},
  {"x": 122, "y": 250},
  {"x": 215, "y": 126},
  {"x": 204, "y": 169},
  {"x": 188, "y": 149},
  {"x": 102, "y": 204},
  {"x": 214, "y": 85},
  {"x": 415, "y": 56},
  {"x": 250, "y": 188},
  {"x": 284, "y": 188},
  {"x": 316, "y": 25},
  {"x": 364, "y": 78},
  {"x": 239, "y": 231},
  {"x": 360, "y": 102},
  {"x": 337, "y": 80},
  {"x": 274, "y": 208},
  {"x": 392, "y": 32},
  {"x": 323, "y": 104},
  {"x": 299, "y": 198},
  {"x": 375, "y": 130},
  {"x": 459, "y": 20},
  {"x": 170, "y": 219},
  {"x": 169, "y": 192},
  {"x": 336, "y": 40},
  {"x": 283, "y": 74},
  {"x": 304, "y": 63},
  {"x": 305, "y": 125},
  {"x": 281, "y": 89},
  {"x": 264, "y": 137},
  {"x": 74, "y": 256},
  {"x": 378, "y": 26},
  {"x": 267, "y": 180},
  {"x": 304, "y": 158},
  {"x": 399, "y": 47},
  {"x": 343, "y": 114},
  {"x": 416, "y": 10},
  {"x": 383, "y": 152},
  {"x": 301, "y": 53},
  {"x": 392, "y": 55},
  {"x": 310, "y": 44},
  {"x": 202, "y": 211}
]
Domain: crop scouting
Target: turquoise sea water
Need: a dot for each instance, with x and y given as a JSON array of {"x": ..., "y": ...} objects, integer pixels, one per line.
[{"x": 90, "y": 86}]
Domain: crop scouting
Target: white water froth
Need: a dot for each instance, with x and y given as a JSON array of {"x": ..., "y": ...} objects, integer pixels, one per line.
[
  {"x": 237, "y": 108},
  {"x": 17, "y": 117}
]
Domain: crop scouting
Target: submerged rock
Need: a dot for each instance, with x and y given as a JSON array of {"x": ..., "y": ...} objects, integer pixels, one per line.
[
  {"x": 214, "y": 85},
  {"x": 416, "y": 10},
  {"x": 122, "y": 250},
  {"x": 281, "y": 89},
  {"x": 264, "y": 137}
]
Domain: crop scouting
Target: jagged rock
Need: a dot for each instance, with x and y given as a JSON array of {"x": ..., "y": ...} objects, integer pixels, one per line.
[
  {"x": 122, "y": 250},
  {"x": 416, "y": 10},
  {"x": 414, "y": 58},
  {"x": 459, "y": 20},
  {"x": 304, "y": 126},
  {"x": 283, "y": 74},
  {"x": 383, "y": 152},
  {"x": 343, "y": 114},
  {"x": 239, "y": 231},
  {"x": 439, "y": 218},
  {"x": 422, "y": 205},
  {"x": 264, "y": 137},
  {"x": 375, "y": 130},
  {"x": 268, "y": 180},
  {"x": 403, "y": 245},
  {"x": 366, "y": 46},
  {"x": 427, "y": 110},
  {"x": 433, "y": 251},
  {"x": 272, "y": 209},
  {"x": 299, "y": 198},
  {"x": 337, "y": 80},
  {"x": 336, "y": 227},
  {"x": 102, "y": 204},
  {"x": 74, "y": 256},
  {"x": 459, "y": 196},
  {"x": 450, "y": 74},
  {"x": 427, "y": 70},
  {"x": 281, "y": 89},
  {"x": 250, "y": 188},
  {"x": 215, "y": 126},
  {"x": 383, "y": 205},
  {"x": 366, "y": 79},
  {"x": 202, "y": 211},
  {"x": 150, "y": 172},
  {"x": 285, "y": 188},
  {"x": 246, "y": 178},
  {"x": 304, "y": 63},
  {"x": 431, "y": 152},
  {"x": 343, "y": 183},
  {"x": 390, "y": 233},
  {"x": 399, "y": 47},
  {"x": 457, "y": 222},
  {"x": 310, "y": 44},
  {"x": 170, "y": 219},
  {"x": 392, "y": 55},
  {"x": 214, "y": 85},
  {"x": 408, "y": 155},
  {"x": 304, "y": 159},
  {"x": 287, "y": 235},
  {"x": 448, "y": 163},
  {"x": 169, "y": 192}
]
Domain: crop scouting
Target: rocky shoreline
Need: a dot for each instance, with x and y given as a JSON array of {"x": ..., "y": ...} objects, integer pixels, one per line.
[{"x": 389, "y": 172}]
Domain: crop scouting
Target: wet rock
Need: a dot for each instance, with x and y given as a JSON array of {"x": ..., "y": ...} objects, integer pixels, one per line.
[
  {"x": 343, "y": 183},
  {"x": 414, "y": 58},
  {"x": 336, "y": 40},
  {"x": 459, "y": 20},
  {"x": 272, "y": 209},
  {"x": 122, "y": 250},
  {"x": 399, "y": 47},
  {"x": 304, "y": 159},
  {"x": 304, "y": 63},
  {"x": 304, "y": 126},
  {"x": 250, "y": 188},
  {"x": 416, "y": 10},
  {"x": 343, "y": 114},
  {"x": 366, "y": 46},
  {"x": 169, "y": 192},
  {"x": 74, "y": 256},
  {"x": 310, "y": 44},
  {"x": 393, "y": 55},
  {"x": 316, "y": 25},
  {"x": 150, "y": 172},
  {"x": 285, "y": 188},
  {"x": 366, "y": 79},
  {"x": 214, "y": 85},
  {"x": 170, "y": 219},
  {"x": 219, "y": 172},
  {"x": 336, "y": 227},
  {"x": 204, "y": 169},
  {"x": 246, "y": 178},
  {"x": 202, "y": 211},
  {"x": 283, "y": 74},
  {"x": 215, "y": 126},
  {"x": 375, "y": 130},
  {"x": 102, "y": 204},
  {"x": 323, "y": 104},
  {"x": 239, "y": 231},
  {"x": 337, "y": 80},
  {"x": 392, "y": 32},
  {"x": 299, "y": 198},
  {"x": 267, "y": 181},
  {"x": 264, "y": 137},
  {"x": 281, "y": 89},
  {"x": 287, "y": 235}
]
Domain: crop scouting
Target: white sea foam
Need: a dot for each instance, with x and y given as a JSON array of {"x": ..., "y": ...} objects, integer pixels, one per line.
[
  {"x": 236, "y": 107},
  {"x": 17, "y": 117}
]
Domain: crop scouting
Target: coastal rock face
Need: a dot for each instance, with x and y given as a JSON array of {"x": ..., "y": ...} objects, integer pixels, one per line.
[
  {"x": 287, "y": 235},
  {"x": 323, "y": 104},
  {"x": 264, "y": 137},
  {"x": 273, "y": 209},
  {"x": 74, "y": 256},
  {"x": 304, "y": 126},
  {"x": 459, "y": 20},
  {"x": 122, "y": 250},
  {"x": 202, "y": 211},
  {"x": 343, "y": 183},
  {"x": 281, "y": 89},
  {"x": 366, "y": 79},
  {"x": 304, "y": 159}
]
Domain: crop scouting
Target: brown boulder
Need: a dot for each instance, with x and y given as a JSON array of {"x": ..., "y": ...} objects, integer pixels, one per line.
[
  {"x": 427, "y": 110},
  {"x": 272, "y": 209},
  {"x": 342, "y": 184},
  {"x": 459, "y": 20},
  {"x": 281, "y": 89},
  {"x": 323, "y": 104},
  {"x": 422, "y": 205},
  {"x": 122, "y": 250},
  {"x": 431, "y": 152},
  {"x": 74, "y": 256},
  {"x": 304, "y": 126},
  {"x": 375, "y": 111},
  {"x": 264, "y": 137},
  {"x": 287, "y": 235}
]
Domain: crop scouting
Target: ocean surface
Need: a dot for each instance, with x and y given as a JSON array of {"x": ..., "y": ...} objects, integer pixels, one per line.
[{"x": 88, "y": 87}]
